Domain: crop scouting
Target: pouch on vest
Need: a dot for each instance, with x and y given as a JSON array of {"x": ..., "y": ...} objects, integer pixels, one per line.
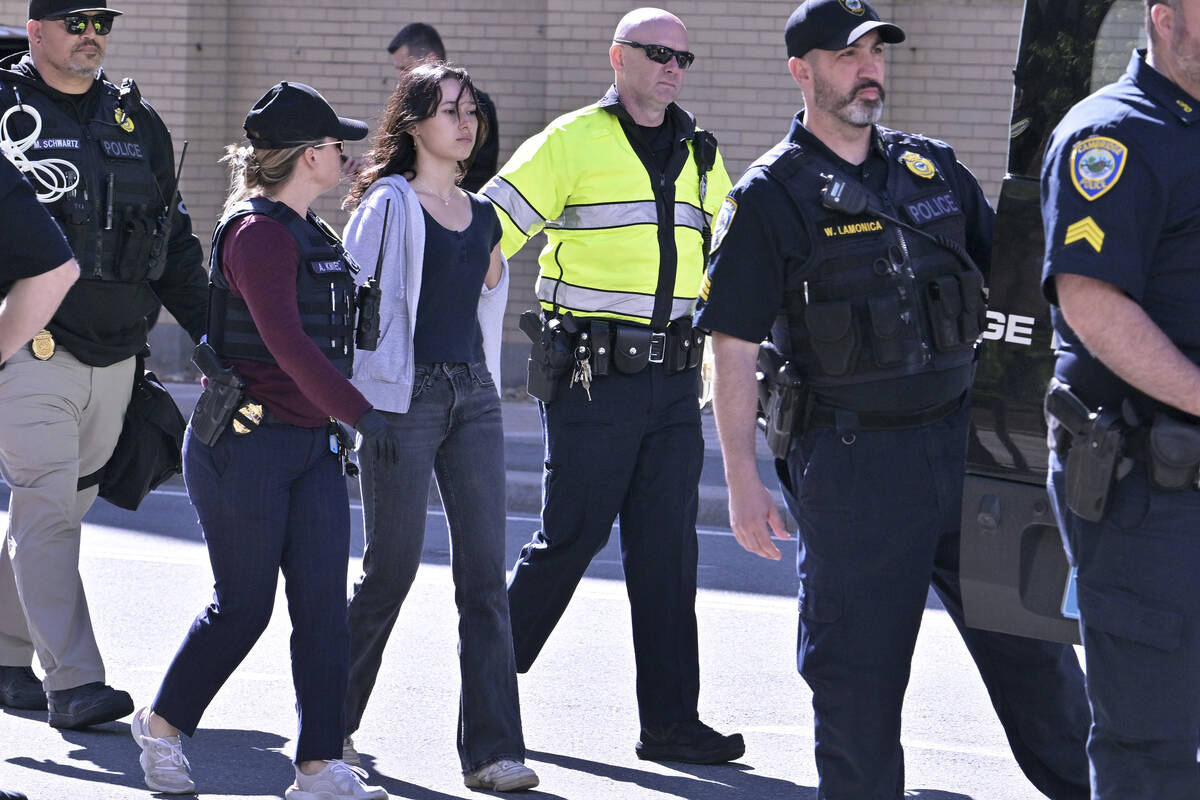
[
  {"x": 631, "y": 349},
  {"x": 888, "y": 330},
  {"x": 138, "y": 247},
  {"x": 1174, "y": 454},
  {"x": 945, "y": 309},
  {"x": 834, "y": 335},
  {"x": 974, "y": 316}
]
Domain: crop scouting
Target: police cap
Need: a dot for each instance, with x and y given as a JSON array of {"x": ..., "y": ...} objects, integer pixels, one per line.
[
  {"x": 52, "y": 9},
  {"x": 292, "y": 114},
  {"x": 834, "y": 24}
]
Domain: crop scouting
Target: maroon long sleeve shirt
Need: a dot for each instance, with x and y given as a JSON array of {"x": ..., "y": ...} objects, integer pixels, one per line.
[{"x": 260, "y": 260}]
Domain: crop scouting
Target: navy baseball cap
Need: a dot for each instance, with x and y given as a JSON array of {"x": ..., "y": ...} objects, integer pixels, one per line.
[
  {"x": 52, "y": 9},
  {"x": 292, "y": 114},
  {"x": 834, "y": 24}
]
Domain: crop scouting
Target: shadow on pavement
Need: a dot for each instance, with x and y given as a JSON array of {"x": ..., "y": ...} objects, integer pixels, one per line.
[
  {"x": 224, "y": 761},
  {"x": 411, "y": 791},
  {"x": 699, "y": 782}
]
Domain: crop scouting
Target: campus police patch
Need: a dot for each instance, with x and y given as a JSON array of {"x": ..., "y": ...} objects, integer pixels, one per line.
[
  {"x": 123, "y": 120},
  {"x": 855, "y": 7},
  {"x": 918, "y": 164},
  {"x": 721, "y": 225},
  {"x": 1096, "y": 165}
]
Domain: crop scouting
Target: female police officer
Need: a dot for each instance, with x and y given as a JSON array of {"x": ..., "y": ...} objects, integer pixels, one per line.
[{"x": 270, "y": 492}]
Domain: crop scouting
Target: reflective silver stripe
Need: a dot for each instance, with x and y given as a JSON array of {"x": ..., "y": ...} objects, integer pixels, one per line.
[
  {"x": 505, "y": 195},
  {"x": 691, "y": 217},
  {"x": 577, "y": 298},
  {"x": 606, "y": 215},
  {"x": 619, "y": 215}
]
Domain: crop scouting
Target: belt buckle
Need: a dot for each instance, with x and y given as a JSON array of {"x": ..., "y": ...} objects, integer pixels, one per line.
[{"x": 658, "y": 346}]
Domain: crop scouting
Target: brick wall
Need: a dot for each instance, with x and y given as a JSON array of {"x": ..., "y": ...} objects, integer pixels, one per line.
[{"x": 202, "y": 63}]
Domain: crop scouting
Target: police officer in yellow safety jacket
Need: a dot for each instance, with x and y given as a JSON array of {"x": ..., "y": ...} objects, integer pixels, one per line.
[{"x": 625, "y": 190}]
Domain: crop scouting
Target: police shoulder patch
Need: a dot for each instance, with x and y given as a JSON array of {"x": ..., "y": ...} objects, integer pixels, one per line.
[
  {"x": 1096, "y": 165},
  {"x": 721, "y": 224},
  {"x": 918, "y": 164}
]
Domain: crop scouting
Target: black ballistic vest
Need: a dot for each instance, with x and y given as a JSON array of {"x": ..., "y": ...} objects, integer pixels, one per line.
[
  {"x": 874, "y": 302},
  {"x": 325, "y": 290},
  {"x": 116, "y": 218}
]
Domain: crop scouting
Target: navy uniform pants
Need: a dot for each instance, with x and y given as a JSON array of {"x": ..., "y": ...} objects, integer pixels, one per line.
[
  {"x": 879, "y": 522},
  {"x": 1140, "y": 618},
  {"x": 634, "y": 452},
  {"x": 270, "y": 501}
]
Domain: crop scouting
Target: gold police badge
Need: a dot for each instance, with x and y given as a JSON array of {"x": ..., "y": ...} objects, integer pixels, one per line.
[
  {"x": 123, "y": 120},
  {"x": 42, "y": 345},
  {"x": 918, "y": 164},
  {"x": 253, "y": 413},
  {"x": 855, "y": 7}
]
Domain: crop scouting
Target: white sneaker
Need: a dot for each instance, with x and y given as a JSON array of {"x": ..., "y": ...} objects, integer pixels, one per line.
[
  {"x": 162, "y": 760},
  {"x": 504, "y": 775},
  {"x": 349, "y": 754},
  {"x": 338, "y": 781}
]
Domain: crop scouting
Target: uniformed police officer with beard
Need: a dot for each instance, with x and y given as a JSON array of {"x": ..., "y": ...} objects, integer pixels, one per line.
[
  {"x": 863, "y": 247},
  {"x": 64, "y": 397}
]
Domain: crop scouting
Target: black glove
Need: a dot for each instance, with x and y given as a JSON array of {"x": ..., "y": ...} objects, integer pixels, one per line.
[{"x": 379, "y": 439}]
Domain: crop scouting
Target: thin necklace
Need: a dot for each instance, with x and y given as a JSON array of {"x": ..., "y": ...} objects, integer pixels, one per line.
[{"x": 427, "y": 190}]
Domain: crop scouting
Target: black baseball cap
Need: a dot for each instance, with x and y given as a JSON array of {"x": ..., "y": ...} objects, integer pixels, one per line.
[
  {"x": 292, "y": 114},
  {"x": 834, "y": 24},
  {"x": 53, "y": 9}
]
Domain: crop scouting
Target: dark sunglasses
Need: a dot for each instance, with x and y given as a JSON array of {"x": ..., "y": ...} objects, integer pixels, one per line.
[
  {"x": 339, "y": 144},
  {"x": 78, "y": 24},
  {"x": 661, "y": 54}
]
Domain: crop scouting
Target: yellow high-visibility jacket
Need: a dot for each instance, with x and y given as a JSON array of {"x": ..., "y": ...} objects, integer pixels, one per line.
[{"x": 610, "y": 230}]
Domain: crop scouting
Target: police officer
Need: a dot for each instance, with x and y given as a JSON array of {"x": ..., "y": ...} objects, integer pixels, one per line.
[
  {"x": 35, "y": 274},
  {"x": 859, "y": 250},
  {"x": 419, "y": 42},
  {"x": 624, "y": 189},
  {"x": 1121, "y": 207},
  {"x": 64, "y": 398},
  {"x": 268, "y": 485}
]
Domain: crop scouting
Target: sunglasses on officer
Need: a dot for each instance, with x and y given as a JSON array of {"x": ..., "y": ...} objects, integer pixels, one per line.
[
  {"x": 339, "y": 144},
  {"x": 661, "y": 54},
  {"x": 78, "y": 24}
]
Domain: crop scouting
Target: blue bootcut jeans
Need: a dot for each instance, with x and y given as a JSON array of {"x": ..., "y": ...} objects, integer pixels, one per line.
[{"x": 453, "y": 430}]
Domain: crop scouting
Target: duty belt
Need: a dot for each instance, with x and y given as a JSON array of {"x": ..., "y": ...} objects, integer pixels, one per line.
[
  {"x": 823, "y": 416},
  {"x": 630, "y": 348}
]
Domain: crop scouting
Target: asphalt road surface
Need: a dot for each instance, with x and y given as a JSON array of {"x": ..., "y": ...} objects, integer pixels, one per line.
[{"x": 147, "y": 576}]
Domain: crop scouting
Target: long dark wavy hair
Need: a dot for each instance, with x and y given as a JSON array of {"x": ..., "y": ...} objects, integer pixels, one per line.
[{"x": 416, "y": 98}]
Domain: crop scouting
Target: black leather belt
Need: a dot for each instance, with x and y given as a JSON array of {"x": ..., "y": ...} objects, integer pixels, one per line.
[{"x": 829, "y": 417}]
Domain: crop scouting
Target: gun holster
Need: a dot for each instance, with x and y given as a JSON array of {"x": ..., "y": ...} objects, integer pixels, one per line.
[
  {"x": 550, "y": 354},
  {"x": 1094, "y": 442},
  {"x": 781, "y": 399}
]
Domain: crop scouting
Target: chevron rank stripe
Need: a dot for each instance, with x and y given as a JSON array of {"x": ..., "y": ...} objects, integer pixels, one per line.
[{"x": 1086, "y": 230}]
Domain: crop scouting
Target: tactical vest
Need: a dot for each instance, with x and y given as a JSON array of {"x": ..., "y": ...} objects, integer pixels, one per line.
[
  {"x": 874, "y": 302},
  {"x": 116, "y": 218},
  {"x": 324, "y": 290}
]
